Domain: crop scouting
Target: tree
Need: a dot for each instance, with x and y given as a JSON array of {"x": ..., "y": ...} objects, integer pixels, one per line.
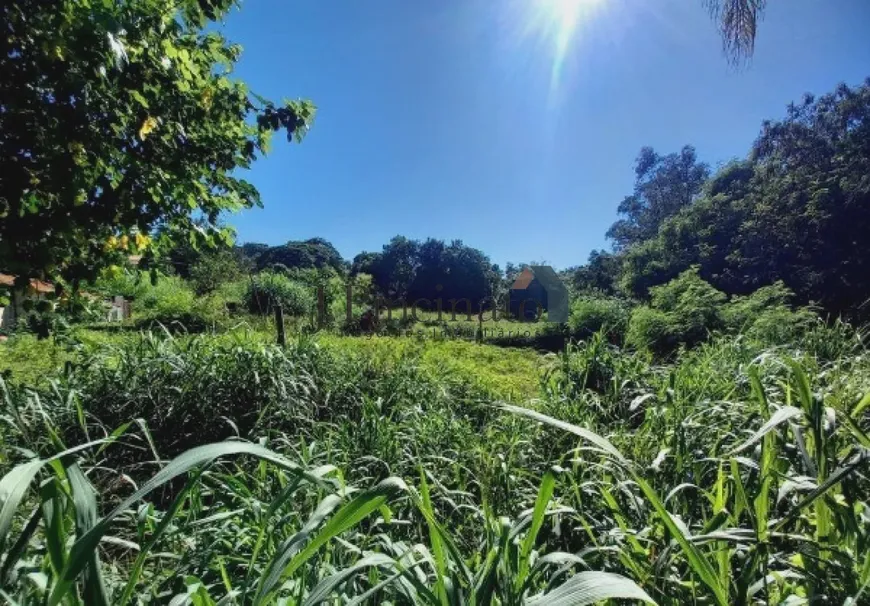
[
  {"x": 702, "y": 234},
  {"x": 663, "y": 185},
  {"x": 797, "y": 211},
  {"x": 396, "y": 267},
  {"x": 600, "y": 273},
  {"x": 411, "y": 270},
  {"x": 363, "y": 262},
  {"x": 118, "y": 117},
  {"x": 249, "y": 254},
  {"x": 470, "y": 274},
  {"x": 314, "y": 253},
  {"x": 215, "y": 268},
  {"x": 810, "y": 210}
]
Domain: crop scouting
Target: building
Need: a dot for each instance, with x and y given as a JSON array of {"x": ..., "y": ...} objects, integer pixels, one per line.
[
  {"x": 538, "y": 289},
  {"x": 12, "y": 310}
]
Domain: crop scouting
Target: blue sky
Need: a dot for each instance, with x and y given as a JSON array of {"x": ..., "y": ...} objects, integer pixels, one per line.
[{"x": 444, "y": 118}]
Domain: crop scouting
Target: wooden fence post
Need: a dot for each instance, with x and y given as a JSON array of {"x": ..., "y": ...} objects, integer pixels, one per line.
[{"x": 279, "y": 323}]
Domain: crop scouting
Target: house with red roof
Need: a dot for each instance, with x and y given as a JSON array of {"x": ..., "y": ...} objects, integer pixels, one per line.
[{"x": 14, "y": 298}]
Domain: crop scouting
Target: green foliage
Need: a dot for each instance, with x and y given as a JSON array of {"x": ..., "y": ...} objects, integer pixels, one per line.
[
  {"x": 311, "y": 254},
  {"x": 695, "y": 306},
  {"x": 169, "y": 296},
  {"x": 683, "y": 312},
  {"x": 663, "y": 186},
  {"x": 26, "y": 359},
  {"x": 652, "y": 329},
  {"x": 214, "y": 269},
  {"x": 591, "y": 314},
  {"x": 173, "y": 303},
  {"x": 795, "y": 212},
  {"x": 686, "y": 310},
  {"x": 599, "y": 275},
  {"x": 767, "y": 315},
  {"x": 121, "y": 283},
  {"x": 733, "y": 474},
  {"x": 414, "y": 271},
  {"x": 154, "y": 129},
  {"x": 266, "y": 290}
]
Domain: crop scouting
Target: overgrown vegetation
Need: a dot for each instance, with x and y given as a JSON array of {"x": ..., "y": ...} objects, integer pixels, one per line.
[
  {"x": 698, "y": 432},
  {"x": 734, "y": 474}
]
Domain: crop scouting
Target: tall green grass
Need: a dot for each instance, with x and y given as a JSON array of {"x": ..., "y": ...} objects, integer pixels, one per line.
[{"x": 223, "y": 470}]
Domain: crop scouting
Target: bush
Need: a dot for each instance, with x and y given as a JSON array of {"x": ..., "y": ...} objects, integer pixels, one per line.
[
  {"x": 651, "y": 329},
  {"x": 590, "y": 315},
  {"x": 172, "y": 303},
  {"x": 121, "y": 282},
  {"x": 685, "y": 311},
  {"x": 695, "y": 307},
  {"x": 233, "y": 294},
  {"x": 267, "y": 290},
  {"x": 767, "y": 316},
  {"x": 170, "y": 296}
]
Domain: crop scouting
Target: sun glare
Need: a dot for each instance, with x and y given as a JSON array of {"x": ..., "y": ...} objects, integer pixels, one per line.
[{"x": 559, "y": 22}]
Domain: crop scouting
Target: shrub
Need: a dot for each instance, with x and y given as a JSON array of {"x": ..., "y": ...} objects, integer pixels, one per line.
[
  {"x": 121, "y": 282},
  {"x": 767, "y": 316},
  {"x": 172, "y": 303},
  {"x": 590, "y": 315},
  {"x": 695, "y": 306},
  {"x": 267, "y": 290},
  {"x": 651, "y": 329},
  {"x": 232, "y": 294},
  {"x": 170, "y": 296},
  {"x": 682, "y": 312}
]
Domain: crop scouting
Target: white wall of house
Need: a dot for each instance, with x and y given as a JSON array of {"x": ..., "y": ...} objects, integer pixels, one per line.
[{"x": 9, "y": 315}]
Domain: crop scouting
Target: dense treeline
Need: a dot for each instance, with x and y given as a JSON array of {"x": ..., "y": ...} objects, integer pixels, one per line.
[
  {"x": 743, "y": 249},
  {"x": 796, "y": 210},
  {"x": 411, "y": 270},
  {"x": 405, "y": 269}
]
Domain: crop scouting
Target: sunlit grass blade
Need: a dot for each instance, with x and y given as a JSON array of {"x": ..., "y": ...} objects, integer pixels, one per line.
[
  {"x": 85, "y": 502},
  {"x": 699, "y": 564},
  {"x": 589, "y": 436},
  {"x": 435, "y": 540},
  {"x": 14, "y": 486},
  {"x": 783, "y": 415},
  {"x": 835, "y": 478},
  {"x": 323, "y": 590},
  {"x": 165, "y": 523},
  {"x": 403, "y": 571},
  {"x": 291, "y": 546},
  {"x": 586, "y": 588},
  {"x": 15, "y": 552},
  {"x": 545, "y": 493}
]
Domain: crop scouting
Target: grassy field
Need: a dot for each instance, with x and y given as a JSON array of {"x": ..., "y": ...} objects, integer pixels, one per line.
[{"x": 221, "y": 469}]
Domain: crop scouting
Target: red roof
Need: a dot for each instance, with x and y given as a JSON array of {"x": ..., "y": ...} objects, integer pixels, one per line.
[
  {"x": 523, "y": 280},
  {"x": 36, "y": 285}
]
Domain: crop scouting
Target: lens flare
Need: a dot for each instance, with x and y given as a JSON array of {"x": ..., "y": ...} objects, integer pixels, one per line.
[{"x": 560, "y": 21}]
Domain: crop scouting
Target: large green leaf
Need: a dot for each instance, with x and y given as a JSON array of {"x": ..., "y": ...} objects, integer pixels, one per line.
[
  {"x": 590, "y": 436},
  {"x": 783, "y": 415},
  {"x": 590, "y": 587}
]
